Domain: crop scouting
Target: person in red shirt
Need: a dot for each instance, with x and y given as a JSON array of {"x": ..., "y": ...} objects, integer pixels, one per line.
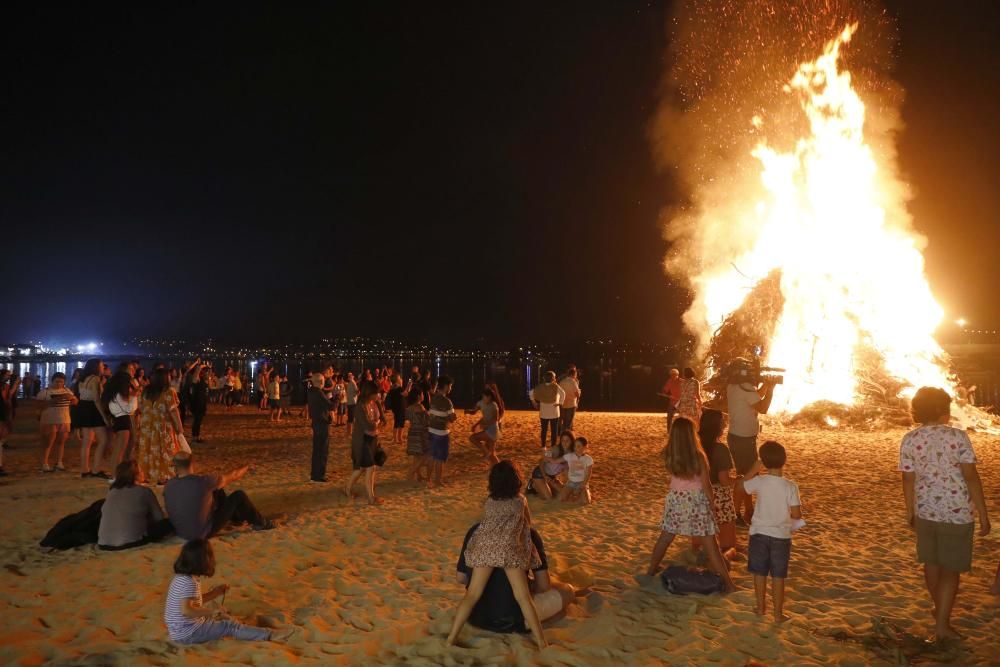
[{"x": 672, "y": 392}]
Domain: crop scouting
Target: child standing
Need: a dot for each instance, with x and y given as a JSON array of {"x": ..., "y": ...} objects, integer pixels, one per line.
[
  {"x": 187, "y": 620},
  {"x": 442, "y": 414},
  {"x": 503, "y": 539},
  {"x": 416, "y": 437},
  {"x": 943, "y": 493},
  {"x": 54, "y": 419},
  {"x": 688, "y": 508},
  {"x": 778, "y": 512},
  {"x": 579, "y": 466},
  {"x": 545, "y": 477}
]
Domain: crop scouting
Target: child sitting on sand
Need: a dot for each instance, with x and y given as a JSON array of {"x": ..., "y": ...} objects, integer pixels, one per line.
[
  {"x": 545, "y": 477},
  {"x": 777, "y": 513},
  {"x": 688, "y": 508},
  {"x": 188, "y": 622},
  {"x": 579, "y": 466},
  {"x": 503, "y": 539}
]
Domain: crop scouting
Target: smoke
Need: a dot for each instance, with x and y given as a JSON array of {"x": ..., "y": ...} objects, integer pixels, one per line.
[{"x": 729, "y": 61}]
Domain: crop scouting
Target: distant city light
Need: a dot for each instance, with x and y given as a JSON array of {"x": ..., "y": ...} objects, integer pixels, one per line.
[{"x": 961, "y": 322}]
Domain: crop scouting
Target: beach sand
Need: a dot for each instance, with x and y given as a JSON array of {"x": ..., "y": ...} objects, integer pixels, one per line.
[{"x": 366, "y": 585}]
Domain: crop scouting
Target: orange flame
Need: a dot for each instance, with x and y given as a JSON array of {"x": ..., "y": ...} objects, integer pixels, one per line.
[{"x": 851, "y": 274}]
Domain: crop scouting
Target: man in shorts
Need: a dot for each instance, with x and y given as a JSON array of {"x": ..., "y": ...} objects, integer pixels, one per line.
[
  {"x": 497, "y": 610},
  {"x": 746, "y": 402},
  {"x": 441, "y": 415}
]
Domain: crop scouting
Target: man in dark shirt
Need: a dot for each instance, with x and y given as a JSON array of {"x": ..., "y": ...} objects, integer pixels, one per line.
[
  {"x": 497, "y": 610},
  {"x": 199, "y": 508},
  {"x": 319, "y": 415}
]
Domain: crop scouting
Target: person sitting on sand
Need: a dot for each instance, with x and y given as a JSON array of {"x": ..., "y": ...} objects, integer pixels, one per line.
[
  {"x": 131, "y": 514},
  {"x": 199, "y": 507},
  {"x": 545, "y": 478},
  {"x": 942, "y": 489},
  {"x": 579, "y": 466},
  {"x": 498, "y": 610},
  {"x": 778, "y": 512},
  {"x": 502, "y": 540},
  {"x": 188, "y": 621},
  {"x": 688, "y": 508}
]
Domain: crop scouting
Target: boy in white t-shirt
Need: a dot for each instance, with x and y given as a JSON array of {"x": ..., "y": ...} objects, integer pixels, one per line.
[
  {"x": 777, "y": 514},
  {"x": 579, "y": 466}
]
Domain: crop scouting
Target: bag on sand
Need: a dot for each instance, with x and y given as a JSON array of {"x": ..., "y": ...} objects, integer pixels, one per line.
[
  {"x": 75, "y": 530},
  {"x": 681, "y": 580},
  {"x": 182, "y": 444}
]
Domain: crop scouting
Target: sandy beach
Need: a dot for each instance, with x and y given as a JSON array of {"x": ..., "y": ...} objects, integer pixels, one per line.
[{"x": 376, "y": 585}]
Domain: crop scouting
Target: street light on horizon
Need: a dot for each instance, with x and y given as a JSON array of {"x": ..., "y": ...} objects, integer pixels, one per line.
[{"x": 961, "y": 322}]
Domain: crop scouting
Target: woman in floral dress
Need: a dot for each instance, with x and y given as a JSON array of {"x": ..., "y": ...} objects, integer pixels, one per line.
[
  {"x": 160, "y": 425},
  {"x": 689, "y": 402}
]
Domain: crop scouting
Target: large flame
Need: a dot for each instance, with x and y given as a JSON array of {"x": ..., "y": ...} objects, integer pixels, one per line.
[{"x": 850, "y": 275}]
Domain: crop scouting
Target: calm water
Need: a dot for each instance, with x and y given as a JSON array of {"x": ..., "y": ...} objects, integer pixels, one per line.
[{"x": 619, "y": 381}]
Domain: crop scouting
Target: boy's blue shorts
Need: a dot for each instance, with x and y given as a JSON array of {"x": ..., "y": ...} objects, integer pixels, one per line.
[
  {"x": 439, "y": 445},
  {"x": 769, "y": 556}
]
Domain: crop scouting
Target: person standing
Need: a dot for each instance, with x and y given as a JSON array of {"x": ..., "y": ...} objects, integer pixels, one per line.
[
  {"x": 571, "y": 386},
  {"x": 672, "y": 392},
  {"x": 442, "y": 414},
  {"x": 198, "y": 402},
  {"x": 92, "y": 419},
  {"x": 54, "y": 419},
  {"x": 746, "y": 403},
  {"x": 689, "y": 401},
  {"x": 395, "y": 402},
  {"x": 158, "y": 430},
  {"x": 364, "y": 443},
  {"x": 319, "y": 415},
  {"x": 547, "y": 397},
  {"x": 351, "y": 392},
  {"x": 943, "y": 493}
]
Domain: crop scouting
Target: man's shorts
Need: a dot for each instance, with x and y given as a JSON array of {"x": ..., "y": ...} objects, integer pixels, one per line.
[
  {"x": 744, "y": 450},
  {"x": 769, "y": 556},
  {"x": 946, "y": 545},
  {"x": 439, "y": 445}
]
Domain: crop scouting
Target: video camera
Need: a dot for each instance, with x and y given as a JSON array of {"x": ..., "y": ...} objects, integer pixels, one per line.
[{"x": 743, "y": 371}]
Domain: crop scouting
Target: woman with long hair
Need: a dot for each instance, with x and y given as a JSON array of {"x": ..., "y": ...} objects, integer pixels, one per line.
[
  {"x": 364, "y": 442},
  {"x": 121, "y": 402},
  {"x": 92, "y": 419},
  {"x": 161, "y": 424}
]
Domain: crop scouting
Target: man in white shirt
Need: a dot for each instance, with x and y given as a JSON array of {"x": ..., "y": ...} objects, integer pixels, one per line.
[
  {"x": 547, "y": 397},
  {"x": 571, "y": 402},
  {"x": 746, "y": 403}
]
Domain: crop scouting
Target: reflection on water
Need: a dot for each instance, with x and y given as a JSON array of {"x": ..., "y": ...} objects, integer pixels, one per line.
[{"x": 609, "y": 382}]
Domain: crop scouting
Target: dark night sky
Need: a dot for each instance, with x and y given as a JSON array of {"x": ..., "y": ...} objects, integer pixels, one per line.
[{"x": 418, "y": 170}]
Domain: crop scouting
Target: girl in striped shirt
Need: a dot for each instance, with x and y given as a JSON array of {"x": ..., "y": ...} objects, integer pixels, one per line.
[{"x": 187, "y": 620}]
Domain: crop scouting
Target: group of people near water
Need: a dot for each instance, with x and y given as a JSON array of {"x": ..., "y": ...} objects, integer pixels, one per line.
[{"x": 713, "y": 486}]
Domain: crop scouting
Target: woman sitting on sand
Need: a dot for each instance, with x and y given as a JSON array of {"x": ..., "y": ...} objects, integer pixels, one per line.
[
  {"x": 688, "y": 509},
  {"x": 131, "y": 515},
  {"x": 546, "y": 479},
  {"x": 502, "y": 540}
]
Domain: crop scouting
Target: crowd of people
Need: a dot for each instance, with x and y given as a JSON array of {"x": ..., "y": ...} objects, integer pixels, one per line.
[{"x": 713, "y": 487}]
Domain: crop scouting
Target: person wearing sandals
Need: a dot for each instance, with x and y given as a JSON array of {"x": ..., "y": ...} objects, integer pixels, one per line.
[
  {"x": 54, "y": 419},
  {"x": 121, "y": 403},
  {"x": 92, "y": 419}
]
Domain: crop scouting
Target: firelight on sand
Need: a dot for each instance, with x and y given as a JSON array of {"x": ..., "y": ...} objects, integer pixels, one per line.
[{"x": 852, "y": 272}]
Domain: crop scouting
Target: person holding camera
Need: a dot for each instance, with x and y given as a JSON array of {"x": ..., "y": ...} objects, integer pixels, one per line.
[{"x": 748, "y": 398}]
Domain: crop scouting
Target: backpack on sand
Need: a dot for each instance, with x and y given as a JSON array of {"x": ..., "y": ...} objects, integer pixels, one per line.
[
  {"x": 75, "y": 530},
  {"x": 681, "y": 580}
]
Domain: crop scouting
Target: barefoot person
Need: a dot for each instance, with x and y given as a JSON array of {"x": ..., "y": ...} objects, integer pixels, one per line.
[
  {"x": 364, "y": 441},
  {"x": 943, "y": 492},
  {"x": 722, "y": 475},
  {"x": 502, "y": 541},
  {"x": 486, "y": 431},
  {"x": 778, "y": 513},
  {"x": 688, "y": 508},
  {"x": 546, "y": 398},
  {"x": 442, "y": 414},
  {"x": 417, "y": 444},
  {"x": 54, "y": 420},
  {"x": 571, "y": 400}
]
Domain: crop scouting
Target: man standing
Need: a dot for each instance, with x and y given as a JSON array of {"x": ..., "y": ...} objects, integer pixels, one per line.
[
  {"x": 199, "y": 508},
  {"x": 571, "y": 386},
  {"x": 319, "y": 415},
  {"x": 441, "y": 415},
  {"x": 672, "y": 392},
  {"x": 547, "y": 397},
  {"x": 746, "y": 402}
]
